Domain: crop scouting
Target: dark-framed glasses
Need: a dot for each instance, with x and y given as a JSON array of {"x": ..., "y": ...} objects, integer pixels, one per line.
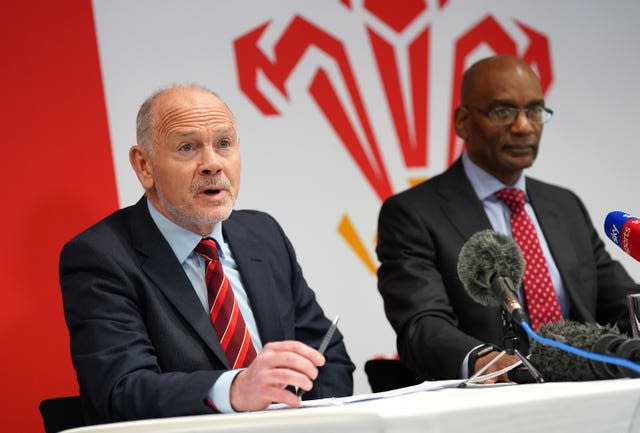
[{"x": 508, "y": 115}]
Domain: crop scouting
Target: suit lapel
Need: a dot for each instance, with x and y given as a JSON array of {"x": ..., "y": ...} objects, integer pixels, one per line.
[
  {"x": 555, "y": 230},
  {"x": 162, "y": 267},
  {"x": 251, "y": 257},
  {"x": 461, "y": 204}
]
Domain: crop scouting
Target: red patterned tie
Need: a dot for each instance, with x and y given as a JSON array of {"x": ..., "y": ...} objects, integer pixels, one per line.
[
  {"x": 541, "y": 298},
  {"x": 225, "y": 314}
]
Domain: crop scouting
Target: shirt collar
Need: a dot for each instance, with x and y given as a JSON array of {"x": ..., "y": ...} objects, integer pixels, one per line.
[
  {"x": 181, "y": 240},
  {"x": 484, "y": 184}
]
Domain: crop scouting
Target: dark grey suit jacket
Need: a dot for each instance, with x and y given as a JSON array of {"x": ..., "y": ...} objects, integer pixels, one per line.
[
  {"x": 420, "y": 233},
  {"x": 141, "y": 343}
]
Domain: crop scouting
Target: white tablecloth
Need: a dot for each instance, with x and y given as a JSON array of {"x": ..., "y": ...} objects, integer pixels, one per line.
[{"x": 606, "y": 406}]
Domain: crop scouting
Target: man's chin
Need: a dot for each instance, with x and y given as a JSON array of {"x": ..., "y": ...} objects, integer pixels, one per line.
[
  {"x": 521, "y": 161},
  {"x": 218, "y": 214},
  {"x": 204, "y": 225},
  {"x": 521, "y": 152},
  {"x": 204, "y": 221}
]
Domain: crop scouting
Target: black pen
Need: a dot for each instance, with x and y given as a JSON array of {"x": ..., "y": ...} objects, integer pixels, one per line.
[{"x": 324, "y": 344}]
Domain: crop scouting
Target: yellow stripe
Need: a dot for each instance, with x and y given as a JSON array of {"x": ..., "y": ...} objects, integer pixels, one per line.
[
  {"x": 348, "y": 232},
  {"x": 413, "y": 181}
]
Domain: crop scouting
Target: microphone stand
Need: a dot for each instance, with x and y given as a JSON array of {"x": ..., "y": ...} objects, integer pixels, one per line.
[{"x": 511, "y": 346}]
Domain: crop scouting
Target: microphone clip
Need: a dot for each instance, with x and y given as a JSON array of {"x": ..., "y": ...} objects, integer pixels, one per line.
[{"x": 511, "y": 347}]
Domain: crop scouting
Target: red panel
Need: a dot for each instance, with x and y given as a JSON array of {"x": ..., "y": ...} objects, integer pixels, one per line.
[
  {"x": 57, "y": 177},
  {"x": 398, "y": 18}
]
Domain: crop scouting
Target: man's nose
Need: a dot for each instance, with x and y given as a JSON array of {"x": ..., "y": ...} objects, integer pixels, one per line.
[
  {"x": 210, "y": 162},
  {"x": 522, "y": 124}
]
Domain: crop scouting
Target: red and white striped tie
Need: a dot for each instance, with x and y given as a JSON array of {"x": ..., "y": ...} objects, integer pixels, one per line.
[
  {"x": 541, "y": 297},
  {"x": 224, "y": 312}
]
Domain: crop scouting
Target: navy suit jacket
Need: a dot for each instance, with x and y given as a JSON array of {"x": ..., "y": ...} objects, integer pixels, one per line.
[
  {"x": 141, "y": 343},
  {"x": 420, "y": 234}
]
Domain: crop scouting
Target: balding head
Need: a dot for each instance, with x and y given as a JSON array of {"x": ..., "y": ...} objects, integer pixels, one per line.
[
  {"x": 485, "y": 74},
  {"x": 165, "y": 98}
]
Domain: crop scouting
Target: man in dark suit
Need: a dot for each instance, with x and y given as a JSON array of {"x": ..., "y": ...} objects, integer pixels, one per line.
[
  {"x": 441, "y": 332},
  {"x": 135, "y": 293}
]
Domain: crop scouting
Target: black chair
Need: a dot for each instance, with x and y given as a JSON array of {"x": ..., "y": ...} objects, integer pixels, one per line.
[
  {"x": 61, "y": 413},
  {"x": 388, "y": 374}
]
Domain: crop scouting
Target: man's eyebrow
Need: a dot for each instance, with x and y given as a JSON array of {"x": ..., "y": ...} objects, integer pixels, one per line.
[
  {"x": 190, "y": 133},
  {"x": 180, "y": 134},
  {"x": 536, "y": 102},
  {"x": 225, "y": 130},
  {"x": 512, "y": 103}
]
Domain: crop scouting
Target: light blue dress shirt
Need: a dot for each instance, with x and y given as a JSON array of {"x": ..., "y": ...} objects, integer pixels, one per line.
[
  {"x": 485, "y": 185},
  {"x": 183, "y": 243}
]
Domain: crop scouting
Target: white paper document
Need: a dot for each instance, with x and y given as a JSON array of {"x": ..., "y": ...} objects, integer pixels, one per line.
[{"x": 337, "y": 401}]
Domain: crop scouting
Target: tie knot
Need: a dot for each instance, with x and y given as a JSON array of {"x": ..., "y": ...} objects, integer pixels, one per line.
[
  {"x": 512, "y": 197},
  {"x": 207, "y": 247}
]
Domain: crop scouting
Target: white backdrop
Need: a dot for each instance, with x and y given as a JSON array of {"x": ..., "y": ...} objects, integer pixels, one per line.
[{"x": 295, "y": 165}]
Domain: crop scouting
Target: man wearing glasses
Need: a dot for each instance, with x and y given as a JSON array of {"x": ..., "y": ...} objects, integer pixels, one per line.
[{"x": 441, "y": 332}]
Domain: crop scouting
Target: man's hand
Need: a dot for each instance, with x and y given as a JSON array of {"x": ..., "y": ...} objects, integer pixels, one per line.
[
  {"x": 279, "y": 364},
  {"x": 503, "y": 362}
]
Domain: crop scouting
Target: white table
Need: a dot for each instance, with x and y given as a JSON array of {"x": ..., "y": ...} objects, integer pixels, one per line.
[{"x": 606, "y": 406}]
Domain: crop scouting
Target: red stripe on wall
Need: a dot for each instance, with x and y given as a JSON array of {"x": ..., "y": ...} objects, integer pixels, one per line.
[{"x": 57, "y": 178}]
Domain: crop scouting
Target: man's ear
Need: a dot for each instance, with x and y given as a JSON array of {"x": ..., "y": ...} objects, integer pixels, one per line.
[
  {"x": 460, "y": 122},
  {"x": 140, "y": 161}
]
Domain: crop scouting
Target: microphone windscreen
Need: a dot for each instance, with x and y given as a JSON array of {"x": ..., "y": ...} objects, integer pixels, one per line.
[
  {"x": 556, "y": 365},
  {"x": 624, "y": 230},
  {"x": 485, "y": 256}
]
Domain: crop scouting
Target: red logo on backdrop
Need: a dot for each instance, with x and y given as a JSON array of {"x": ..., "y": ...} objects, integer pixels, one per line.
[{"x": 409, "y": 115}]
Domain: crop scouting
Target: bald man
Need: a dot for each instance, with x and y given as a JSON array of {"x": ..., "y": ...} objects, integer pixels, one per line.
[
  {"x": 148, "y": 336},
  {"x": 441, "y": 332}
]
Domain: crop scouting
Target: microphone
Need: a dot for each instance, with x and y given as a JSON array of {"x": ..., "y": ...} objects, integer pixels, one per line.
[
  {"x": 624, "y": 230},
  {"x": 490, "y": 266},
  {"x": 558, "y": 365}
]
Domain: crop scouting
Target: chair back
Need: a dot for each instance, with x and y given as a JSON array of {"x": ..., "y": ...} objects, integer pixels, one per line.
[
  {"x": 388, "y": 374},
  {"x": 61, "y": 413}
]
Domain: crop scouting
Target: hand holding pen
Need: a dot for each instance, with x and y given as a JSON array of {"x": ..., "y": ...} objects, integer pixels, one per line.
[
  {"x": 324, "y": 343},
  {"x": 280, "y": 362}
]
